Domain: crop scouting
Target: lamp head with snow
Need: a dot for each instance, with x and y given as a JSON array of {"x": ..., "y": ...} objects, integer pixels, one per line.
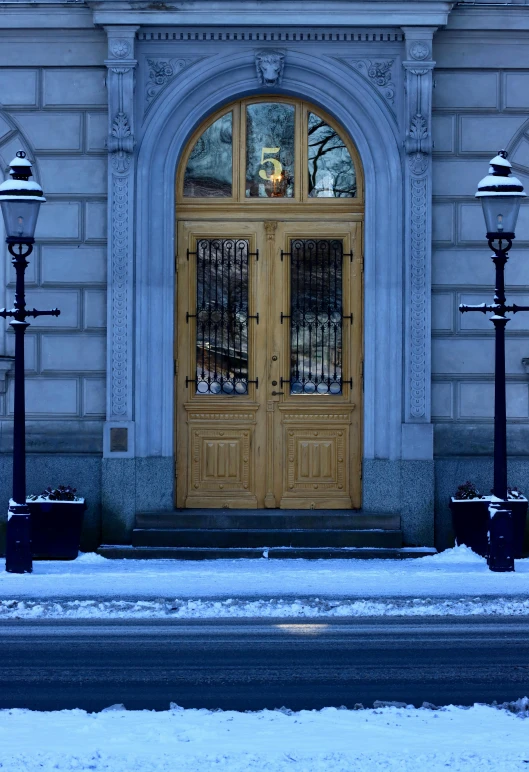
[
  {"x": 501, "y": 195},
  {"x": 20, "y": 200}
]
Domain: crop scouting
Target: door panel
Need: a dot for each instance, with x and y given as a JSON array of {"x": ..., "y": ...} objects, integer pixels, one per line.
[
  {"x": 320, "y": 344},
  {"x": 269, "y": 364},
  {"x": 220, "y": 440}
]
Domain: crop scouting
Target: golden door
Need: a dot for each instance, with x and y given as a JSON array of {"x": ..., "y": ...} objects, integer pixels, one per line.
[
  {"x": 268, "y": 328},
  {"x": 269, "y": 365}
]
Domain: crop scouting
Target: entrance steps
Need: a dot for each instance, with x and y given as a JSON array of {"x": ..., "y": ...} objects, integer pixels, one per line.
[
  {"x": 119, "y": 551},
  {"x": 228, "y": 533},
  {"x": 232, "y": 528}
]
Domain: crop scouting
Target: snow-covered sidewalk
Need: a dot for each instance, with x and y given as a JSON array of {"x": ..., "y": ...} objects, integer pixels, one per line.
[
  {"x": 383, "y": 739},
  {"x": 455, "y": 582}
]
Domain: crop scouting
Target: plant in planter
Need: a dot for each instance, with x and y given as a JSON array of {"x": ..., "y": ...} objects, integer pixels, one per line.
[
  {"x": 468, "y": 492},
  {"x": 56, "y": 523},
  {"x": 471, "y": 518}
]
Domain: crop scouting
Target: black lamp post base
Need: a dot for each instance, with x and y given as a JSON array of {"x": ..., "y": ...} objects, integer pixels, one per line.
[
  {"x": 501, "y": 552},
  {"x": 18, "y": 540}
]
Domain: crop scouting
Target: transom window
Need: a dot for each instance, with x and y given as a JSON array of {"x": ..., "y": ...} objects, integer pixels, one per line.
[{"x": 270, "y": 149}]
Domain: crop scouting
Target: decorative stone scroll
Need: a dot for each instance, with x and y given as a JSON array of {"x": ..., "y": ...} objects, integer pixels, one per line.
[
  {"x": 379, "y": 72},
  {"x": 120, "y": 146},
  {"x": 418, "y": 69},
  {"x": 159, "y": 72}
]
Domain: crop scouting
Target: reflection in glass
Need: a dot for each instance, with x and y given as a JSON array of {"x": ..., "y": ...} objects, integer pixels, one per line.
[
  {"x": 331, "y": 170},
  {"x": 270, "y": 150},
  {"x": 316, "y": 316},
  {"x": 222, "y": 316},
  {"x": 209, "y": 168}
]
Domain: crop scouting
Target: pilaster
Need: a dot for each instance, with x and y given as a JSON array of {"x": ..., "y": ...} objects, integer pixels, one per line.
[
  {"x": 121, "y": 64},
  {"x": 418, "y": 68}
]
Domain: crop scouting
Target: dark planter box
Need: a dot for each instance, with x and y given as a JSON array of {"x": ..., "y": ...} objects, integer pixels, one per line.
[
  {"x": 56, "y": 529},
  {"x": 470, "y": 521}
]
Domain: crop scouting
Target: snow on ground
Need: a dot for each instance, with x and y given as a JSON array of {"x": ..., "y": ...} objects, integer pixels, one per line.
[
  {"x": 263, "y": 607},
  {"x": 177, "y": 740},
  {"x": 451, "y": 575}
]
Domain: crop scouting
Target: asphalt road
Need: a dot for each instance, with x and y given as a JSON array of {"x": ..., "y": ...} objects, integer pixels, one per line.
[{"x": 255, "y": 664}]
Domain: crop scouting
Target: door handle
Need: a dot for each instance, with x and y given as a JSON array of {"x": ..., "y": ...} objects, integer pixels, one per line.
[{"x": 276, "y": 393}]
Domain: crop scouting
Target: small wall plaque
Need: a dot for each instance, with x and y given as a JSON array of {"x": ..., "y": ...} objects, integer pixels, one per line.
[{"x": 118, "y": 440}]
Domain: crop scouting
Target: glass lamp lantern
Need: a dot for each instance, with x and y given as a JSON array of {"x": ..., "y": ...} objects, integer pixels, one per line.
[
  {"x": 501, "y": 195},
  {"x": 20, "y": 200}
]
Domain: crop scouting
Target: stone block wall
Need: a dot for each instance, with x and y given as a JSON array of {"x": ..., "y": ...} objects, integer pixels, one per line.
[
  {"x": 56, "y": 110},
  {"x": 480, "y": 105}
]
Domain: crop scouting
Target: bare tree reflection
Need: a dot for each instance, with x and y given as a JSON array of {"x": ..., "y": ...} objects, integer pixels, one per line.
[{"x": 331, "y": 170}]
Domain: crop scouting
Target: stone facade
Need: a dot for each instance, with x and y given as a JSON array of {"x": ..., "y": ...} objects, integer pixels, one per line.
[
  {"x": 104, "y": 96},
  {"x": 479, "y": 106}
]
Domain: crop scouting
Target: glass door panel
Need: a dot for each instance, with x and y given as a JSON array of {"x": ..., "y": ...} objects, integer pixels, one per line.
[
  {"x": 222, "y": 316},
  {"x": 316, "y": 316}
]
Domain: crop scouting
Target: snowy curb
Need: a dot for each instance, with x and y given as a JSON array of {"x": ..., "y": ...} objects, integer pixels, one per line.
[
  {"x": 392, "y": 737},
  {"x": 456, "y": 581},
  {"x": 199, "y": 608}
]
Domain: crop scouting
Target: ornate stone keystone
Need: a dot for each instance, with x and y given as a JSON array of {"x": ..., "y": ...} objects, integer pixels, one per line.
[{"x": 270, "y": 65}]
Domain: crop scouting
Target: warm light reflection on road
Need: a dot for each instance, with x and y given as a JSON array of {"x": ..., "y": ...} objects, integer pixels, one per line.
[{"x": 299, "y": 628}]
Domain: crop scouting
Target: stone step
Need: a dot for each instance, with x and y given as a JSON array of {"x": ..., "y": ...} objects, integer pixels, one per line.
[
  {"x": 261, "y": 538},
  {"x": 119, "y": 551},
  {"x": 264, "y": 519}
]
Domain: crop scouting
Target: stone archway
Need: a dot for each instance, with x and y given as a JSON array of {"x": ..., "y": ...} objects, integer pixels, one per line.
[
  {"x": 202, "y": 89},
  {"x": 141, "y": 289}
]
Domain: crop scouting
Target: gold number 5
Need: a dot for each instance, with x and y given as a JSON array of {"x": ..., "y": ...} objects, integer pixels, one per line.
[{"x": 278, "y": 168}]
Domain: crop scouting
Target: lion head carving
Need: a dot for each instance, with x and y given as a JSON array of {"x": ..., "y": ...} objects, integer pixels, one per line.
[{"x": 269, "y": 65}]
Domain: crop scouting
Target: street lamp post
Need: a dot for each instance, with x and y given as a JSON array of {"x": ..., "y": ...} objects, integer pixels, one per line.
[
  {"x": 501, "y": 195},
  {"x": 20, "y": 200}
]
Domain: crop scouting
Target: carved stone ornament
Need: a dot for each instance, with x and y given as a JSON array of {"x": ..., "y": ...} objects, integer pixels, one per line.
[
  {"x": 160, "y": 72},
  {"x": 380, "y": 75},
  {"x": 418, "y": 70},
  {"x": 120, "y": 294},
  {"x": 120, "y": 48},
  {"x": 418, "y": 296},
  {"x": 269, "y": 65},
  {"x": 419, "y": 50},
  {"x": 418, "y": 144},
  {"x": 121, "y": 143},
  {"x": 120, "y": 69},
  {"x": 418, "y": 163},
  {"x": 380, "y": 72},
  {"x": 418, "y": 128},
  {"x": 121, "y": 65}
]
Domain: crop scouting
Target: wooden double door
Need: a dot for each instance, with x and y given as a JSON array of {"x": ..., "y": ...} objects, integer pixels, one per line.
[{"x": 268, "y": 364}]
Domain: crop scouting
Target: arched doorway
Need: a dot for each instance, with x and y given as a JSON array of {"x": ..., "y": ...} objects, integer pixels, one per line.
[{"x": 268, "y": 336}]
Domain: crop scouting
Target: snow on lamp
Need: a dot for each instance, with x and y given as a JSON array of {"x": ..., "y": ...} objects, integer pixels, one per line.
[
  {"x": 501, "y": 195},
  {"x": 20, "y": 200}
]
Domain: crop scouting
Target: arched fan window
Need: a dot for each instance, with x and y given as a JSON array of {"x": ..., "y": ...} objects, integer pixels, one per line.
[{"x": 271, "y": 149}]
